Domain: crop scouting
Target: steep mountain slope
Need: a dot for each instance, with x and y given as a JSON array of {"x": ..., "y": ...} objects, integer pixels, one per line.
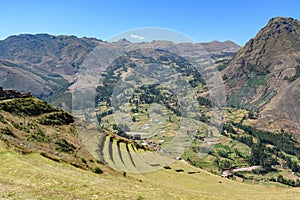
[
  {"x": 264, "y": 76},
  {"x": 56, "y": 54},
  {"x": 17, "y": 76}
]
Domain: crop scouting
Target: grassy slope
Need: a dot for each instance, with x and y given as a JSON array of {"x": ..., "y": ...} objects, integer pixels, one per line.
[{"x": 35, "y": 177}]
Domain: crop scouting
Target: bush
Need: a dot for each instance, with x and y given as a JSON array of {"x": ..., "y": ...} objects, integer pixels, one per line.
[
  {"x": 97, "y": 170},
  {"x": 2, "y": 119},
  {"x": 59, "y": 118},
  {"x": 223, "y": 153},
  {"x": 203, "y": 101},
  {"x": 83, "y": 160},
  {"x": 39, "y": 136},
  {"x": 7, "y": 131},
  {"x": 63, "y": 146}
]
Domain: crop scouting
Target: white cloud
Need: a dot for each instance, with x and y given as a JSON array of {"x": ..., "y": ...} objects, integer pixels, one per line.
[{"x": 138, "y": 37}]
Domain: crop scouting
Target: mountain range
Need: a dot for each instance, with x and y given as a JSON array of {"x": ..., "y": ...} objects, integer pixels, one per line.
[
  {"x": 44, "y": 63},
  {"x": 262, "y": 76},
  {"x": 244, "y": 101}
]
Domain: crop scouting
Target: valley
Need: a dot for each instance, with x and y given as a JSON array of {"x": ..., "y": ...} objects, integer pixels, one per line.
[{"x": 91, "y": 119}]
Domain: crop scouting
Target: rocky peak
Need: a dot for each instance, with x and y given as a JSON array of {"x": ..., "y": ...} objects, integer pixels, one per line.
[{"x": 263, "y": 53}]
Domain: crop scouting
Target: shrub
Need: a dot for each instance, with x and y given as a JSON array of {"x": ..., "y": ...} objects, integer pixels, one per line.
[
  {"x": 63, "y": 145},
  {"x": 39, "y": 136},
  {"x": 222, "y": 153},
  {"x": 58, "y": 118},
  {"x": 2, "y": 119},
  {"x": 97, "y": 170},
  {"x": 83, "y": 160},
  {"x": 7, "y": 131}
]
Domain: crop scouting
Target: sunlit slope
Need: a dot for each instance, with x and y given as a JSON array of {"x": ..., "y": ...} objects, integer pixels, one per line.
[
  {"x": 127, "y": 157},
  {"x": 35, "y": 177}
]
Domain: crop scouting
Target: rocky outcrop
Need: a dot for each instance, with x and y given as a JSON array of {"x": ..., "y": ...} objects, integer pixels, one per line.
[{"x": 9, "y": 94}]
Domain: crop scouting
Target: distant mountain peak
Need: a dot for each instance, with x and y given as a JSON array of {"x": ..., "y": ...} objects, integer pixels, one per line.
[{"x": 123, "y": 42}]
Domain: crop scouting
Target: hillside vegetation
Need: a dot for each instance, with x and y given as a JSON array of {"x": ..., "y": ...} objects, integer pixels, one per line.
[
  {"x": 264, "y": 76},
  {"x": 154, "y": 112},
  {"x": 30, "y": 125}
]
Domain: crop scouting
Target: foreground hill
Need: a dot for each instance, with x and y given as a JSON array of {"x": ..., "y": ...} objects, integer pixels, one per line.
[
  {"x": 29, "y": 125},
  {"x": 32, "y": 176}
]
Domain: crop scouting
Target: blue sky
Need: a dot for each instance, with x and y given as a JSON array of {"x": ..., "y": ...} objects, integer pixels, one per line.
[{"x": 206, "y": 20}]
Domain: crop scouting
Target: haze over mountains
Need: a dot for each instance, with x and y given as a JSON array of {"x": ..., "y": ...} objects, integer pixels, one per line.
[{"x": 45, "y": 63}]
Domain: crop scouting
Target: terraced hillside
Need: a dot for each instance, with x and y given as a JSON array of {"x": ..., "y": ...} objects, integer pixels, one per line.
[
  {"x": 33, "y": 176},
  {"x": 142, "y": 97},
  {"x": 126, "y": 157}
]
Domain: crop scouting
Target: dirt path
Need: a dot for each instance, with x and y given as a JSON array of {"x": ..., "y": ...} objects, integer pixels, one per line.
[
  {"x": 227, "y": 173},
  {"x": 246, "y": 169}
]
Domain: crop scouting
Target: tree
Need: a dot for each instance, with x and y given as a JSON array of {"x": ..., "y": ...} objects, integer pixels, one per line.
[
  {"x": 280, "y": 178},
  {"x": 133, "y": 119},
  {"x": 295, "y": 167}
]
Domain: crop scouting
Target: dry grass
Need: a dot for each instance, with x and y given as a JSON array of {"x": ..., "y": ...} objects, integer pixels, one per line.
[{"x": 35, "y": 177}]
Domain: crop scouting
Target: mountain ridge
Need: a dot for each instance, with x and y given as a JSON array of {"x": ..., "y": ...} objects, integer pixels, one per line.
[
  {"x": 264, "y": 70},
  {"x": 42, "y": 55}
]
